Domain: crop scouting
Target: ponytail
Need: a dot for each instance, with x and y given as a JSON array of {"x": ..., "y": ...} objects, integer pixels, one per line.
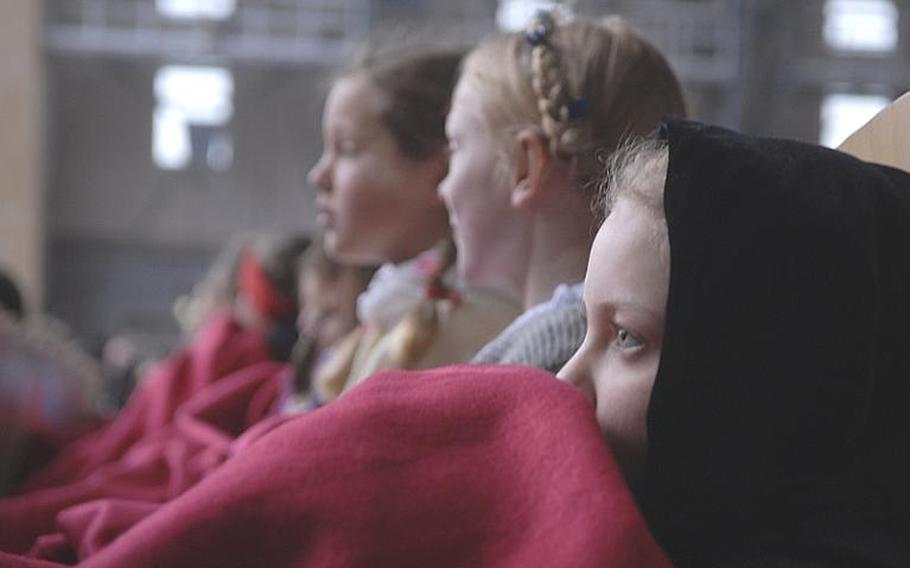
[{"x": 419, "y": 329}]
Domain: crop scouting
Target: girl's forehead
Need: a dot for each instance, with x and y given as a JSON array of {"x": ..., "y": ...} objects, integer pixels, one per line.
[
  {"x": 354, "y": 101},
  {"x": 626, "y": 265},
  {"x": 473, "y": 92},
  {"x": 469, "y": 111},
  {"x": 463, "y": 96}
]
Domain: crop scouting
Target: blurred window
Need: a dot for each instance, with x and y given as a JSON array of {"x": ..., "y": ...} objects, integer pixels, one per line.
[
  {"x": 861, "y": 25},
  {"x": 842, "y": 114},
  {"x": 196, "y": 9},
  {"x": 514, "y": 15},
  {"x": 194, "y": 105}
]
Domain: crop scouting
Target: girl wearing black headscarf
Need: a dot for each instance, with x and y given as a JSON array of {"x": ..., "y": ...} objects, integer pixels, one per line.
[{"x": 749, "y": 314}]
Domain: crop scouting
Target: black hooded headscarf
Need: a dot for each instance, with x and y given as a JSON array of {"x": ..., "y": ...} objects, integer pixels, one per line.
[{"x": 779, "y": 423}]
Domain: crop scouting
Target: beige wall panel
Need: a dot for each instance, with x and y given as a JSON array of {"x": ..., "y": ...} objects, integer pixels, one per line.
[
  {"x": 886, "y": 138},
  {"x": 21, "y": 163}
]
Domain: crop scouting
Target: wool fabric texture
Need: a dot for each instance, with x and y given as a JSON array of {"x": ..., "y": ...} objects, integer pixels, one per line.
[
  {"x": 460, "y": 466},
  {"x": 546, "y": 336}
]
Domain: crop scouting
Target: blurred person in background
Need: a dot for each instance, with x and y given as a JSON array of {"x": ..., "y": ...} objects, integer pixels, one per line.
[
  {"x": 327, "y": 327},
  {"x": 49, "y": 388},
  {"x": 254, "y": 326}
]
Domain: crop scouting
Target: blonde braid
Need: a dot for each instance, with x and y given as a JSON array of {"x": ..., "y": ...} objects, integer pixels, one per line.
[
  {"x": 559, "y": 110},
  {"x": 414, "y": 337}
]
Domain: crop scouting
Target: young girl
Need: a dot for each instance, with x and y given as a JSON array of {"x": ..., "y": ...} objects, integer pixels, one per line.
[
  {"x": 327, "y": 295},
  {"x": 746, "y": 351},
  {"x": 532, "y": 117},
  {"x": 385, "y": 154}
]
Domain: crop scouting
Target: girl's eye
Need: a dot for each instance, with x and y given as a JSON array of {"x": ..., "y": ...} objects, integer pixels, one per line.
[
  {"x": 346, "y": 147},
  {"x": 625, "y": 339}
]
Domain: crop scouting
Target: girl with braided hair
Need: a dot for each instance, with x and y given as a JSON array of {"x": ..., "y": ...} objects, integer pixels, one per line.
[
  {"x": 384, "y": 156},
  {"x": 533, "y": 116}
]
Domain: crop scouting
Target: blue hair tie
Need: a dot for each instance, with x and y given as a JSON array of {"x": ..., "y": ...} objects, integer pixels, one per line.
[
  {"x": 578, "y": 108},
  {"x": 540, "y": 29},
  {"x": 537, "y": 36}
]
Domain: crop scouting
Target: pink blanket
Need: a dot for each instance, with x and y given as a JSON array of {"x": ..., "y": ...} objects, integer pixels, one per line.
[{"x": 463, "y": 466}]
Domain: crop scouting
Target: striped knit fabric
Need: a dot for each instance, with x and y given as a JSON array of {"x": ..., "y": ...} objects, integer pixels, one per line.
[{"x": 546, "y": 336}]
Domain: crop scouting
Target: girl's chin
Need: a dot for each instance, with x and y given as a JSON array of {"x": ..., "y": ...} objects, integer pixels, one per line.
[
  {"x": 330, "y": 242},
  {"x": 343, "y": 252}
]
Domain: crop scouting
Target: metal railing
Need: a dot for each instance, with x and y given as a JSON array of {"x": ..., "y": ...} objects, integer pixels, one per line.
[{"x": 273, "y": 31}]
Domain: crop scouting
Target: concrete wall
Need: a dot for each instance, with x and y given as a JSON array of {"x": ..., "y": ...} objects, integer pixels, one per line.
[
  {"x": 21, "y": 163},
  {"x": 105, "y": 185},
  {"x": 125, "y": 237}
]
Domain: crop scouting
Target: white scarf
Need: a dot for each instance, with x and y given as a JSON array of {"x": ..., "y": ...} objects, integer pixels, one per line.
[{"x": 393, "y": 292}]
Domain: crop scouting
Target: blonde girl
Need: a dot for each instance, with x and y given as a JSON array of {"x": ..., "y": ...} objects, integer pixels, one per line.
[{"x": 533, "y": 116}]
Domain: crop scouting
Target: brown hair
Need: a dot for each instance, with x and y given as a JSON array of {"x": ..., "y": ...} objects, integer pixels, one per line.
[
  {"x": 10, "y": 297},
  {"x": 416, "y": 84},
  {"x": 585, "y": 85},
  {"x": 279, "y": 255}
]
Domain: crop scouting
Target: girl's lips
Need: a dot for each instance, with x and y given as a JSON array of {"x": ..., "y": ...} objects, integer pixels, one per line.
[{"x": 325, "y": 219}]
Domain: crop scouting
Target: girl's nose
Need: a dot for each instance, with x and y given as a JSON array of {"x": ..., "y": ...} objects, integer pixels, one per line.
[
  {"x": 577, "y": 373},
  {"x": 319, "y": 174},
  {"x": 442, "y": 189}
]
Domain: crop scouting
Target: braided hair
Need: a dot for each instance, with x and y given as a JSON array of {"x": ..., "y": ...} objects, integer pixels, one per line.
[
  {"x": 560, "y": 112},
  {"x": 584, "y": 85},
  {"x": 420, "y": 327}
]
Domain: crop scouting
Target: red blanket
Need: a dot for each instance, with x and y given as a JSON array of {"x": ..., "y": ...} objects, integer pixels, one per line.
[
  {"x": 219, "y": 349},
  {"x": 464, "y": 466},
  {"x": 175, "y": 429}
]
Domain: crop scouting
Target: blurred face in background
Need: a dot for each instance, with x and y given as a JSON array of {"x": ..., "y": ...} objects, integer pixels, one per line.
[
  {"x": 329, "y": 305},
  {"x": 477, "y": 194},
  {"x": 375, "y": 203}
]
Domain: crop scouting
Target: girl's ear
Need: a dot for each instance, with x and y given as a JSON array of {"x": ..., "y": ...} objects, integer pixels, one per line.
[{"x": 532, "y": 161}]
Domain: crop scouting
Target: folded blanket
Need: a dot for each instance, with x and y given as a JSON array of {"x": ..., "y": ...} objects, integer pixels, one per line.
[
  {"x": 220, "y": 348},
  {"x": 461, "y": 466}
]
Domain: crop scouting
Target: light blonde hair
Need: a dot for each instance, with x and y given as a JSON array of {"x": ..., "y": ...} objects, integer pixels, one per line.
[
  {"x": 420, "y": 327},
  {"x": 637, "y": 171},
  {"x": 415, "y": 334},
  {"x": 585, "y": 85}
]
